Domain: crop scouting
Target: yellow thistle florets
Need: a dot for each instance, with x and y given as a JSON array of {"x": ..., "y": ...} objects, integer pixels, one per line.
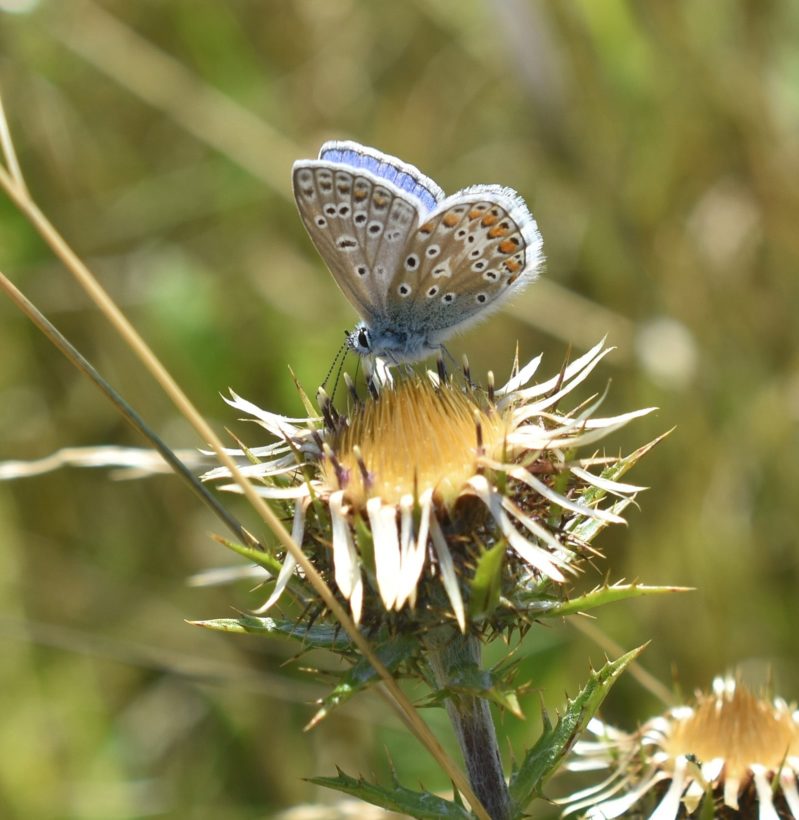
[
  {"x": 418, "y": 479},
  {"x": 416, "y": 437}
]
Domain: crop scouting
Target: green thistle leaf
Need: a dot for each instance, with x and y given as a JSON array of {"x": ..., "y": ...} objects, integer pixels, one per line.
[
  {"x": 543, "y": 759},
  {"x": 471, "y": 681},
  {"x": 423, "y": 805},
  {"x": 391, "y": 653},
  {"x": 486, "y": 585},
  {"x": 267, "y": 560},
  {"x": 319, "y": 636},
  {"x": 601, "y": 596}
]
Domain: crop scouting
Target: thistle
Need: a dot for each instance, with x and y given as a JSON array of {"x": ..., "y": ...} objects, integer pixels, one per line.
[
  {"x": 444, "y": 513},
  {"x": 729, "y": 753}
]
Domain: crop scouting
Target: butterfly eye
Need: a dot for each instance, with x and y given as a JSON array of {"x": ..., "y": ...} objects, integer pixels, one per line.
[{"x": 363, "y": 338}]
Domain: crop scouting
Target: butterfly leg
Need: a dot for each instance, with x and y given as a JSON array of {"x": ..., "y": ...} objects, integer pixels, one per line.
[
  {"x": 441, "y": 367},
  {"x": 443, "y": 349}
]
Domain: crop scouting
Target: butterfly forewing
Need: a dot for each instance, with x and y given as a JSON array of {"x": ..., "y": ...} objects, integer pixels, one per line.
[{"x": 359, "y": 227}]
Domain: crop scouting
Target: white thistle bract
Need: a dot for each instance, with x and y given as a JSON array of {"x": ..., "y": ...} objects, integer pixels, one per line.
[{"x": 418, "y": 479}]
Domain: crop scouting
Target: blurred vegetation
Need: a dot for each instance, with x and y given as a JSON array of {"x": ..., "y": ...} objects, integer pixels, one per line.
[{"x": 656, "y": 143}]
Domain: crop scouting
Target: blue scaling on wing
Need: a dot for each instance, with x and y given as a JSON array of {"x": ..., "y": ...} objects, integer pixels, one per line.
[{"x": 383, "y": 166}]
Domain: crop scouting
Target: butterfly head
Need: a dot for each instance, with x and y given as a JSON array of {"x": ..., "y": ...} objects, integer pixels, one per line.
[
  {"x": 393, "y": 345},
  {"x": 360, "y": 340}
]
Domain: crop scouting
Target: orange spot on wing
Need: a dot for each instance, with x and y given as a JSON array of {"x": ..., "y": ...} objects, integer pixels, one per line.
[
  {"x": 450, "y": 220},
  {"x": 488, "y": 219},
  {"x": 508, "y": 245},
  {"x": 474, "y": 213},
  {"x": 496, "y": 231},
  {"x": 512, "y": 265},
  {"x": 360, "y": 194},
  {"x": 427, "y": 228}
]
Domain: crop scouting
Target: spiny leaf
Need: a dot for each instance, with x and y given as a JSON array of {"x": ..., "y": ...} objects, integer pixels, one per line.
[
  {"x": 319, "y": 636},
  {"x": 543, "y": 759},
  {"x": 312, "y": 411},
  {"x": 423, "y": 805},
  {"x": 264, "y": 559},
  {"x": 365, "y": 543},
  {"x": 471, "y": 681},
  {"x": 486, "y": 585},
  {"x": 391, "y": 654},
  {"x": 586, "y": 529},
  {"x": 599, "y": 597}
]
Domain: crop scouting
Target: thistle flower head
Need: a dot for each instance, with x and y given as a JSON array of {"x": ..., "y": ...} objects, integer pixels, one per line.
[
  {"x": 729, "y": 746},
  {"x": 399, "y": 498},
  {"x": 415, "y": 439}
]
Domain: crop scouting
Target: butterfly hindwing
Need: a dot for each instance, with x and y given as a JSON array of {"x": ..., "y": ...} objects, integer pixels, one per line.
[{"x": 476, "y": 248}]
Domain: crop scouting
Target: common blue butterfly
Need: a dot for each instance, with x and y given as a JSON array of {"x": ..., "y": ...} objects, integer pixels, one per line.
[{"x": 416, "y": 265}]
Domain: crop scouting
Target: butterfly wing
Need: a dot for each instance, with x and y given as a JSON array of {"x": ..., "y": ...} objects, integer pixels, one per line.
[
  {"x": 360, "y": 208},
  {"x": 474, "y": 250}
]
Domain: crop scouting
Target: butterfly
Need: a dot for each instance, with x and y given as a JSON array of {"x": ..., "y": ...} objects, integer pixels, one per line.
[{"x": 417, "y": 266}]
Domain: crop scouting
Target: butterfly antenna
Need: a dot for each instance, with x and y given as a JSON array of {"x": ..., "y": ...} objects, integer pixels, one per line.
[
  {"x": 340, "y": 368},
  {"x": 332, "y": 366}
]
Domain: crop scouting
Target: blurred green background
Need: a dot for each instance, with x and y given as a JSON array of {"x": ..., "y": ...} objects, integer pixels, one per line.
[{"x": 656, "y": 144}]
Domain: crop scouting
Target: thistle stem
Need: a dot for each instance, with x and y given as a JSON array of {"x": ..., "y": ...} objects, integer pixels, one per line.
[{"x": 450, "y": 655}]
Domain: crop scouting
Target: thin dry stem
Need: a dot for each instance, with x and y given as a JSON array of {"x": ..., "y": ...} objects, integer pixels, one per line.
[{"x": 9, "y": 154}]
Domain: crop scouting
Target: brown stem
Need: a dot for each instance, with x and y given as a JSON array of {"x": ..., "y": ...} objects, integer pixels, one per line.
[{"x": 450, "y": 653}]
